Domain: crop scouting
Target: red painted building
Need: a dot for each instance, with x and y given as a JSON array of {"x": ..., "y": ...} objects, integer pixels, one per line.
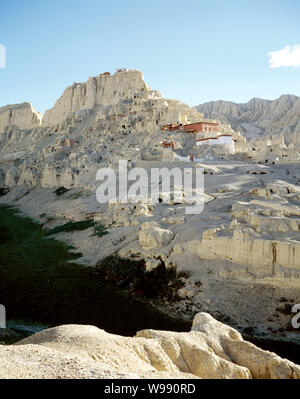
[
  {"x": 201, "y": 127},
  {"x": 168, "y": 144},
  {"x": 193, "y": 127}
]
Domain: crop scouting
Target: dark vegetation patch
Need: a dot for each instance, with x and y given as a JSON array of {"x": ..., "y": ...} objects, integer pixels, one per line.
[
  {"x": 249, "y": 330},
  {"x": 3, "y": 191},
  {"x": 40, "y": 281},
  {"x": 100, "y": 230},
  {"x": 132, "y": 276},
  {"x": 286, "y": 309},
  {"x": 61, "y": 190},
  {"x": 71, "y": 226}
]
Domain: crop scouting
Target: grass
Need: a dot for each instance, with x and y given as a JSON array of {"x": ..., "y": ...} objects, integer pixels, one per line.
[
  {"x": 71, "y": 226},
  {"x": 41, "y": 281},
  {"x": 99, "y": 229}
]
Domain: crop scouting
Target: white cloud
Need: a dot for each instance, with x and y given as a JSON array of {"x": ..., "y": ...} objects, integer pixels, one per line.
[
  {"x": 289, "y": 56},
  {"x": 2, "y": 56}
]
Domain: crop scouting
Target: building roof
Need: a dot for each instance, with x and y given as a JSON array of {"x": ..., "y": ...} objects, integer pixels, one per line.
[
  {"x": 208, "y": 138},
  {"x": 214, "y": 138},
  {"x": 198, "y": 123}
]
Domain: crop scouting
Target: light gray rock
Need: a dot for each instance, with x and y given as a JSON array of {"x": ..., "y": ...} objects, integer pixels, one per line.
[
  {"x": 152, "y": 236},
  {"x": 23, "y": 116}
]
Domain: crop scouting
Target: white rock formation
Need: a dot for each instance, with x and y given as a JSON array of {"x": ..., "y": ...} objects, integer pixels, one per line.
[
  {"x": 100, "y": 90},
  {"x": 264, "y": 258},
  {"x": 210, "y": 350},
  {"x": 152, "y": 236},
  {"x": 23, "y": 116}
]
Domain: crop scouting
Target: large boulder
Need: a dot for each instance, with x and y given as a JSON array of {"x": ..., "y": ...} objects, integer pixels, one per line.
[{"x": 152, "y": 236}]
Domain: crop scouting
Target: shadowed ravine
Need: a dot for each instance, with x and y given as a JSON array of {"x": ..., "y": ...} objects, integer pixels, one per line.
[{"x": 41, "y": 281}]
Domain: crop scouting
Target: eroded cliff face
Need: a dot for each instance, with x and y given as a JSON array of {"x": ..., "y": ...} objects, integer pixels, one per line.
[
  {"x": 22, "y": 116},
  {"x": 101, "y": 90},
  {"x": 109, "y": 114},
  {"x": 259, "y": 117}
]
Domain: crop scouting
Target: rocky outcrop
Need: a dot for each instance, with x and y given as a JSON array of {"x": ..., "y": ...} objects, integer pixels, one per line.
[
  {"x": 260, "y": 256},
  {"x": 23, "y": 116},
  {"x": 152, "y": 236},
  {"x": 210, "y": 350},
  {"x": 103, "y": 90},
  {"x": 120, "y": 214}
]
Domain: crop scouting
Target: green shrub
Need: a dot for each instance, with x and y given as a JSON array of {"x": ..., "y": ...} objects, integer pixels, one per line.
[
  {"x": 61, "y": 190},
  {"x": 132, "y": 275},
  {"x": 99, "y": 230}
]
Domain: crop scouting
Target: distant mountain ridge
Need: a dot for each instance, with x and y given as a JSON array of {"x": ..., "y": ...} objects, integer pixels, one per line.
[{"x": 259, "y": 117}]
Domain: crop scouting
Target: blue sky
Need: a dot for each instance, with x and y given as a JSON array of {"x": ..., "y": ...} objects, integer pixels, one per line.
[{"x": 193, "y": 50}]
